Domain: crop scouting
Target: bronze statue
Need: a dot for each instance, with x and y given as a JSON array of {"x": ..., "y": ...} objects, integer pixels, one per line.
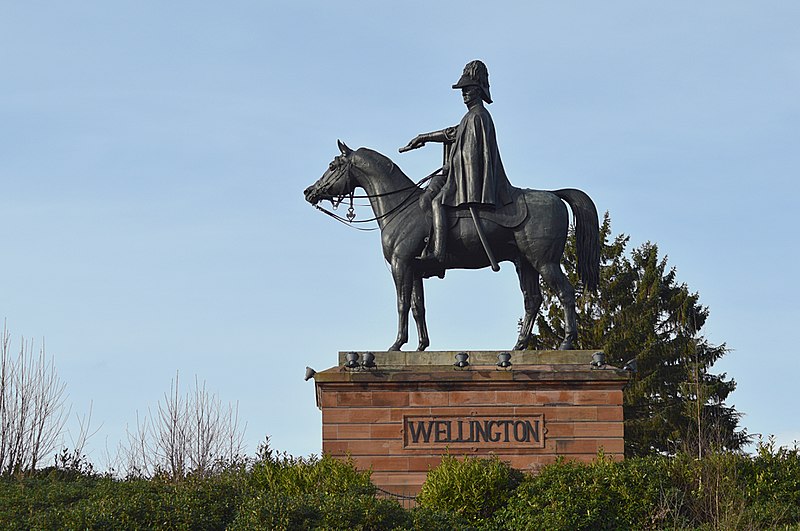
[
  {"x": 473, "y": 174},
  {"x": 476, "y": 211}
]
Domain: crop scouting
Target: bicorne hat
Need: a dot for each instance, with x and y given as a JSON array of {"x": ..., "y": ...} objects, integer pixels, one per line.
[{"x": 475, "y": 74}]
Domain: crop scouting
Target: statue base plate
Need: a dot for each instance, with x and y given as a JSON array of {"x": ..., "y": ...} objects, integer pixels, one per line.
[{"x": 400, "y": 417}]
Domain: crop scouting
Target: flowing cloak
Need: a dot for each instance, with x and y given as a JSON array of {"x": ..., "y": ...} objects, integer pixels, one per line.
[{"x": 476, "y": 175}]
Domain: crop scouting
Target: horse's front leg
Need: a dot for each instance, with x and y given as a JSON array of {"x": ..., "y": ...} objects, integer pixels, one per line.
[
  {"x": 403, "y": 283},
  {"x": 418, "y": 311}
]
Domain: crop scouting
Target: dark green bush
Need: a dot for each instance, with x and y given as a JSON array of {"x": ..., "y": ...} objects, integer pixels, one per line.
[
  {"x": 425, "y": 519},
  {"x": 771, "y": 482},
  {"x": 314, "y": 493},
  {"x": 471, "y": 487},
  {"x": 82, "y": 502},
  {"x": 564, "y": 496},
  {"x": 719, "y": 491}
]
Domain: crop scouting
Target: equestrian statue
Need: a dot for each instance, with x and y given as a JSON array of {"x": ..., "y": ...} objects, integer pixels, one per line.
[{"x": 468, "y": 217}]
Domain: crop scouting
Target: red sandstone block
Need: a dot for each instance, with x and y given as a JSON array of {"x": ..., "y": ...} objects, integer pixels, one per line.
[
  {"x": 475, "y": 410},
  {"x": 361, "y": 447},
  {"x": 462, "y": 398},
  {"x": 390, "y": 398},
  {"x": 354, "y": 398},
  {"x": 353, "y": 448},
  {"x": 423, "y": 464},
  {"x": 559, "y": 429},
  {"x": 428, "y": 398},
  {"x": 386, "y": 431},
  {"x": 595, "y": 398},
  {"x": 513, "y": 398},
  {"x": 615, "y": 397},
  {"x": 576, "y": 446},
  {"x": 330, "y": 431},
  {"x": 354, "y": 431},
  {"x": 408, "y": 484},
  {"x": 535, "y": 397},
  {"x": 610, "y": 413},
  {"x": 396, "y": 414},
  {"x": 399, "y": 479},
  {"x": 589, "y": 446},
  {"x": 612, "y": 446},
  {"x": 383, "y": 463},
  {"x": 599, "y": 429},
  {"x": 327, "y": 398},
  {"x": 553, "y": 397},
  {"x": 345, "y": 415},
  {"x": 560, "y": 412}
]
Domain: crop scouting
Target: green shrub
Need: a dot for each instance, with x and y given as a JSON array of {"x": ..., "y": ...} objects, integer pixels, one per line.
[
  {"x": 604, "y": 494},
  {"x": 473, "y": 487},
  {"x": 771, "y": 481},
  {"x": 719, "y": 491},
  {"x": 58, "y": 501},
  {"x": 314, "y": 493},
  {"x": 426, "y": 519}
]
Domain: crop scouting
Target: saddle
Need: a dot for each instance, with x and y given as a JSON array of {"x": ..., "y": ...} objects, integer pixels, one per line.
[{"x": 509, "y": 216}]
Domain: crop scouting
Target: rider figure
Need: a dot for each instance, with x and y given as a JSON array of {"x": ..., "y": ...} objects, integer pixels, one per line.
[{"x": 473, "y": 174}]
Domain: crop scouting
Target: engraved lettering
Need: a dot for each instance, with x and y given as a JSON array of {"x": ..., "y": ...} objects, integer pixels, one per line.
[
  {"x": 480, "y": 431},
  {"x": 516, "y": 432},
  {"x": 533, "y": 432},
  {"x": 521, "y": 433},
  {"x": 440, "y": 430},
  {"x": 426, "y": 434},
  {"x": 494, "y": 437}
]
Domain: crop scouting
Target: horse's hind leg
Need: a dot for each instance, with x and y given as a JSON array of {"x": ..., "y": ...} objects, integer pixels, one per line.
[
  {"x": 556, "y": 279},
  {"x": 418, "y": 311},
  {"x": 532, "y": 295}
]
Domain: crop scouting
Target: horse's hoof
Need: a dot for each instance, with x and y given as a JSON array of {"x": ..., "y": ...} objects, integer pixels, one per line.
[
  {"x": 394, "y": 348},
  {"x": 422, "y": 346},
  {"x": 566, "y": 345}
]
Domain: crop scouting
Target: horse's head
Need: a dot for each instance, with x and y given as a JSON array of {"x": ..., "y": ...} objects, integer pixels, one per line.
[{"x": 336, "y": 182}]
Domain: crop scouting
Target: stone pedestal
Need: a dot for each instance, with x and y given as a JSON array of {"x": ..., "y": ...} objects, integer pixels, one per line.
[{"x": 401, "y": 416}]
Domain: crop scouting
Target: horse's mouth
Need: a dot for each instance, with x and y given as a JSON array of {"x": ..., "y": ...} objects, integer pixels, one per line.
[{"x": 312, "y": 196}]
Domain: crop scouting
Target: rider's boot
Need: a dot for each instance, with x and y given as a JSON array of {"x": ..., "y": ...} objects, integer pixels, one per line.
[
  {"x": 439, "y": 231},
  {"x": 435, "y": 248},
  {"x": 431, "y": 258}
]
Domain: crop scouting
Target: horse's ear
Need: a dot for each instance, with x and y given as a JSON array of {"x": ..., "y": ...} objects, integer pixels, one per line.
[{"x": 343, "y": 148}]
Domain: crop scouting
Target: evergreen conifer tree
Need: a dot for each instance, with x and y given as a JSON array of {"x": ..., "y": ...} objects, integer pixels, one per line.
[{"x": 641, "y": 312}]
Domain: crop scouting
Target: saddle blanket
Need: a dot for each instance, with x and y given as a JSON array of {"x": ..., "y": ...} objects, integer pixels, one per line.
[{"x": 508, "y": 216}]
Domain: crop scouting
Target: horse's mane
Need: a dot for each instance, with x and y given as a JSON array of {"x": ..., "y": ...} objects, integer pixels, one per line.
[{"x": 379, "y": 162}]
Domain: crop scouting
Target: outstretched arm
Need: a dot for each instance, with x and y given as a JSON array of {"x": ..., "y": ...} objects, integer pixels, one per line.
[{"x": 443, "y": 136}]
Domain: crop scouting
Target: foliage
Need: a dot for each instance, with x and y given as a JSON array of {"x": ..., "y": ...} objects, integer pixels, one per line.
[
  {"x": 723, "y": 490},
  {"x": 641, "y": 311},
  {"x": 53, "y": 500},
  {"x": 771, "y": 483},
  {"x": 285, "y": 492},
  {"x": 470, "y": 487},
  {"x": 569, "y": 495}
]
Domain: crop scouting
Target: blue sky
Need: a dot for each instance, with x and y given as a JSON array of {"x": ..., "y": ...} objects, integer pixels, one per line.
[{"x": 153, "y": 157}]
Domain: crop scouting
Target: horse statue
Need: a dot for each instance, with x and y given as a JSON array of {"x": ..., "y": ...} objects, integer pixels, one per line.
[{"x": 533, "y": 239}]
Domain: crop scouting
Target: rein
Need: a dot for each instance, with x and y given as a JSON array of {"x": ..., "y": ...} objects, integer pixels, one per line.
[{"x": 350, "y": 219}]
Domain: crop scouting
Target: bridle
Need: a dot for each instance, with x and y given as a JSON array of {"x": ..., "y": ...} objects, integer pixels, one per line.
[{"x": 345, "y": 166}]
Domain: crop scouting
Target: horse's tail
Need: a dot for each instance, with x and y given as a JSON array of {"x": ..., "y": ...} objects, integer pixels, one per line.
[{"x": 587, "y": 235}]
